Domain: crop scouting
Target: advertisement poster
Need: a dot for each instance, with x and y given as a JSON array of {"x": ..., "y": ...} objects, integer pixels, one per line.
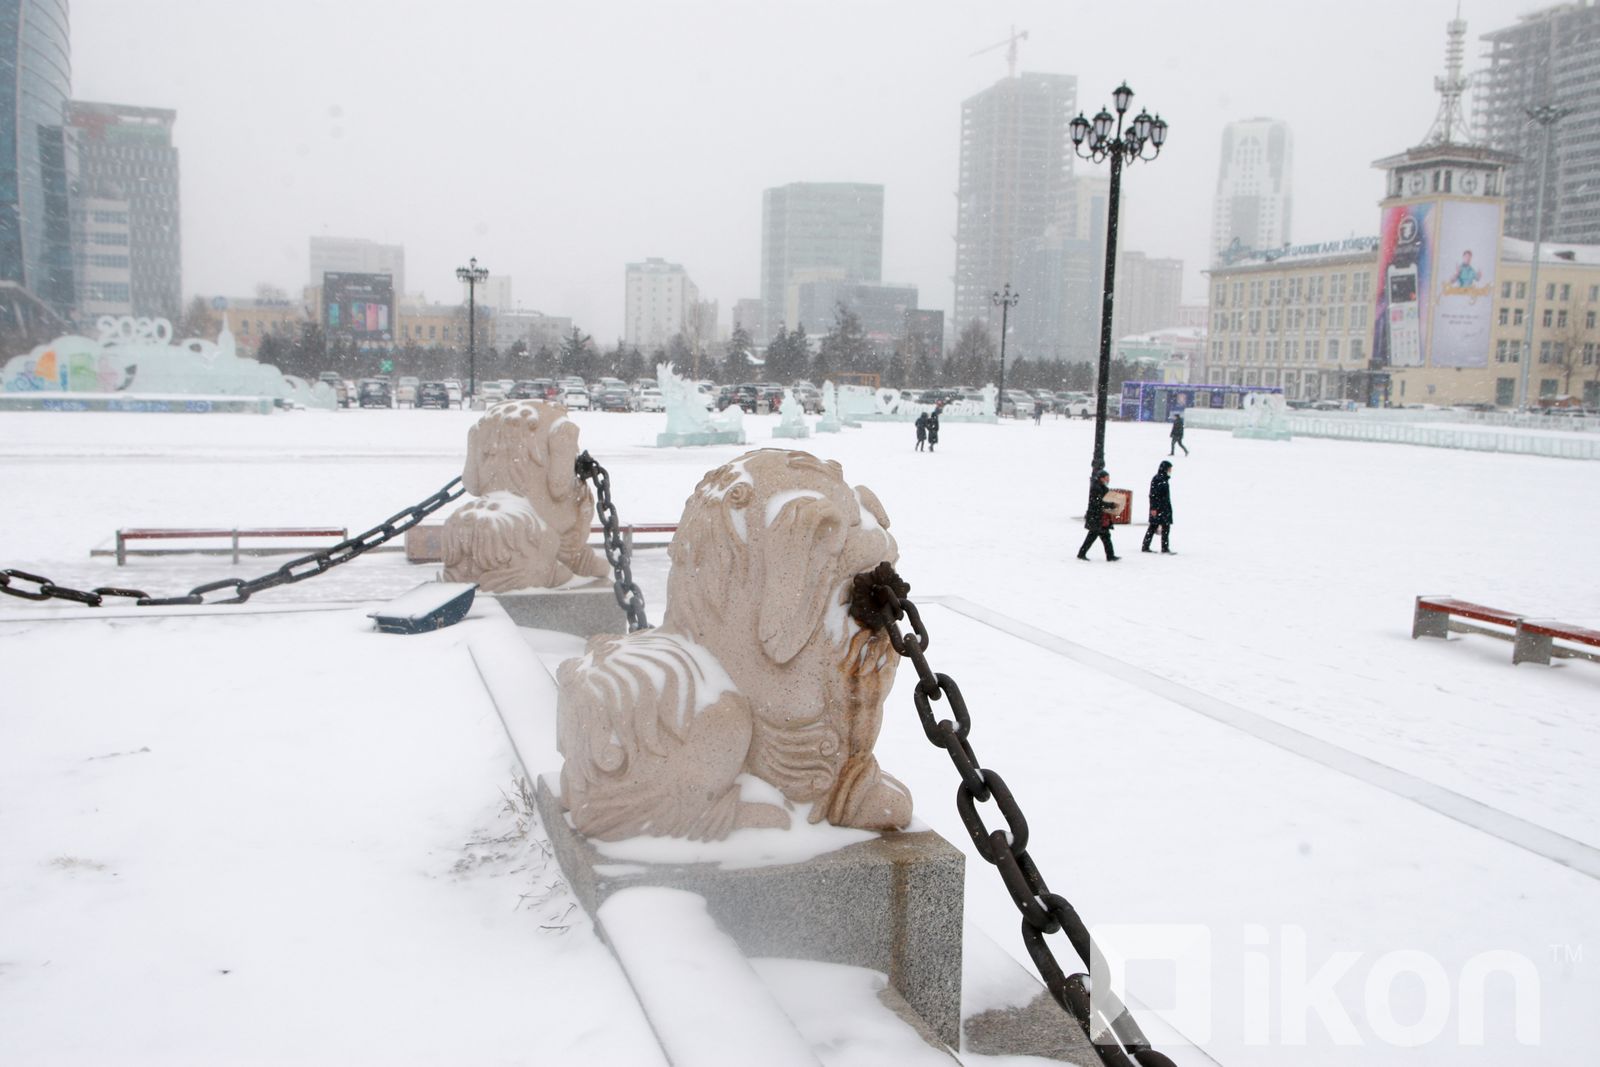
[
  {"x": 1405, "y": 271},
  {"x": 358, "y": 306},
  {"x": 1469, "y": 247}
]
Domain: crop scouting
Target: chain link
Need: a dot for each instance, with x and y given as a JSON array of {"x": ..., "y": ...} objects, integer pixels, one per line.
[
  {"x": 296, "y": 570},
  {"x": 629, "y": 598},
  {"x": 879, "y": 601}
]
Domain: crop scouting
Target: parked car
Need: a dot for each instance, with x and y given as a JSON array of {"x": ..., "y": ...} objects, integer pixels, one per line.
[
  {"x": 1016, "y": 404},
  {"x": 492, "y": 392},
  {"x": 405, "y": 391},
  {"x": 810, "y": 397},
  {"x": 745, "y": 396},
  {"x": 575, "y": 399},
  {"x": 613, "y": 399},
  {"x": 433, "y": 395},
  {"x": 375, "y": 393},
  {"x": 649, "y": 399},
  {"x": 769, "y": 396},
  {"x": 453, "y": 388},
  {"x": 527, "y": 390},
  {"x": 1075, "y": 405}
]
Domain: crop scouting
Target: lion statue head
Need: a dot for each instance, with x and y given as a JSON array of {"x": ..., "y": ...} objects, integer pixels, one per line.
[
  {"x": 758, "y": 668},
  {"x": 522, "y": 450}
]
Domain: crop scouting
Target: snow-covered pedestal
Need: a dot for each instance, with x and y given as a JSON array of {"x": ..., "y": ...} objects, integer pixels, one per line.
[
  {"x": 582, "y": 611},
  {"x": 890, "y": 902}
]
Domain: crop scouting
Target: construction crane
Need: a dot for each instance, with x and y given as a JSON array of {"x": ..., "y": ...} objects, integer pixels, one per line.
[{"x": 1010, "y": 45}]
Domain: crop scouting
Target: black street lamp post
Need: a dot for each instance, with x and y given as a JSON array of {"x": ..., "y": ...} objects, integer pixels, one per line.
[
  {"x": 1098, "y": 142},
  {"x": 474, "y": 276},
  {"x": 1005, "y": 302}
]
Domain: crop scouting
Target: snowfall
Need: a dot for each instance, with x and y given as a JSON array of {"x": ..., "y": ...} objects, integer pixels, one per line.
[{"x": 267, "y": 833}]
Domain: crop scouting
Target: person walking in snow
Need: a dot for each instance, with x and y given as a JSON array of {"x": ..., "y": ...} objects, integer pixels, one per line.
[
  {"x": 1177, "y": 436},
  {"x": 933, "y": 425},
  {"x": 1097, "y": 517},
  {"x": 922, "y": 430},
  {"x": 1160, "y": 509}
]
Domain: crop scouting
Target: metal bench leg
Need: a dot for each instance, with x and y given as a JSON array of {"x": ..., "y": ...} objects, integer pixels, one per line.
[
  {"x": 1531, "y": 648},
  {"x": 1428, "y": 623},
  {"x": 122, "y": 549}
]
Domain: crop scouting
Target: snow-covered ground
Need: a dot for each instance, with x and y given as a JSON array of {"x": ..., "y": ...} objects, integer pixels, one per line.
[{"x": 1239, "y": 744}]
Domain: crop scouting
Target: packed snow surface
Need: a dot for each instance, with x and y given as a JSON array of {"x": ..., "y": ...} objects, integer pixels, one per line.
[{"x": 270, "y": 833}]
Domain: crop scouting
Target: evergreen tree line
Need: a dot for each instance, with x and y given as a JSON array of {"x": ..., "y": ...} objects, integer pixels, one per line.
[{"x": 913, "y": 362}]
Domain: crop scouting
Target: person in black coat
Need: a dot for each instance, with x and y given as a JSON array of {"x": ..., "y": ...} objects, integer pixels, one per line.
[
  {"x": 933, "y": 426},
  {"x": 1097, "y": 517},
  {"x": 922, "y": 430},
  {"x": 1160, "y": 509},
  {"x": 1177, "y": 436}
]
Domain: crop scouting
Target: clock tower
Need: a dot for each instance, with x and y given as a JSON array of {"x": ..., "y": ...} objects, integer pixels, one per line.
[{"x": 1439, "y": 247}]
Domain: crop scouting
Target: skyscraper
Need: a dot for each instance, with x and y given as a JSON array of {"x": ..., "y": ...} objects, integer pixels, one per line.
[
  {"x": 1016, "y": 169},
  {"x": 816, "y": 231},
  {"x": 128, "y": 247},
  {"x": 36, "y": 159},
  {"x": 1254, "y": 192},
  {"x": 1551, "y": 57}
]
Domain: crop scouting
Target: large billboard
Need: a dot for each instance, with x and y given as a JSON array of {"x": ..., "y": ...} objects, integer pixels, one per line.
[
  {"x": 1405, "y": 272},
  {"x": 358, "y": 306},
  {"x": 1469, "y": 246}
]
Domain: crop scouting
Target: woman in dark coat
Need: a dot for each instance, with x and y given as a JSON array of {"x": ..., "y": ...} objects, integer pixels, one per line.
[
  {"x": 922, "y": 430},
  {"x": 933, "y": 426},
  {"x": 1097, "y": 517},
  {"x": 1160, "y": 509}
]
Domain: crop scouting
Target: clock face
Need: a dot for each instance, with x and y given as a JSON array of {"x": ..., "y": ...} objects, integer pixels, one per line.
[
  {"x": 1469, "y": 182},
  {"x": 1416, "y": 183}
]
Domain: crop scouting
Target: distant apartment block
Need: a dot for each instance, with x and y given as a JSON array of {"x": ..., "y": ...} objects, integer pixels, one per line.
[
  {"x": 128, "y": 165},
  {"x": 1254, "y": 198},
  {"x": 1550, "y": 57},
  {"x": 1015, "y": 175},
  {"x": 816, "y": 231},
  {"x": 660, "y": 301},
  {"x": 881, "y": 309}
]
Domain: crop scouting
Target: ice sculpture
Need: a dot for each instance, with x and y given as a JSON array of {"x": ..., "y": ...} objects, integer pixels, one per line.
[
  {"x": 830, "y": 421},
  {"x": 139, "y": 356},
  {"x": 793, "y": 423},
  {"x": 1266, "y": 418},
  {"x": 688, "y": 421},
  {"x": 757, "y": 670}
]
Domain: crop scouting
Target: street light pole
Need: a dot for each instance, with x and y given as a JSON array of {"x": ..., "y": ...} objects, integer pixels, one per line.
[
  {"x": 474, "y": 276},
  {"x": 1547, "y": 116},
  {"x": 1005, "y": 302},
  {"x": 1098, "y": 142}
]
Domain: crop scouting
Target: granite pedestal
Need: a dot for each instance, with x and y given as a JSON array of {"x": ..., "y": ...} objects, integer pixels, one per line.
[
  {"x": 892, "y": 904},
  {"x": 696, "y": 440}
]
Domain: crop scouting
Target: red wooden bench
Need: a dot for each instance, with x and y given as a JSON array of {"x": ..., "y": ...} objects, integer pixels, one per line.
[
  {"x": 232, "y": 535},
  {"x": 1533, "y": 640},
  {"x": 425, "y": 543},
  {"x": 1536, "y": 641}
]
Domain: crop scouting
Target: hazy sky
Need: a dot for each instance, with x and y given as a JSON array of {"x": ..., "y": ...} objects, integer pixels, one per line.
[{"x": 557, "y": 142}]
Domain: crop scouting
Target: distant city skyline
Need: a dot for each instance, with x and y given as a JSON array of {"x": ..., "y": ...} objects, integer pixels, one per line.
[{"x": 658, "y": 142}]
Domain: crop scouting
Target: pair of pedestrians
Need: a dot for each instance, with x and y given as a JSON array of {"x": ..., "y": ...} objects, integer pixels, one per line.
[{"x": 1098, "y": 516}]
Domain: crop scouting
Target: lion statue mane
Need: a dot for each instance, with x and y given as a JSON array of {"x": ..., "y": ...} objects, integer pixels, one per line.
[
  {"x": 757, "y": 670},
  {"x": 529, "y": 526}
]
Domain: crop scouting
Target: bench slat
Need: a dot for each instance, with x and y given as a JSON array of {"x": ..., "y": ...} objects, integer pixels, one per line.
[
  {"x": 285, "y": 531},
  {"x": 1564, "y": 631},
  {"x": 1467, "y": 609}
]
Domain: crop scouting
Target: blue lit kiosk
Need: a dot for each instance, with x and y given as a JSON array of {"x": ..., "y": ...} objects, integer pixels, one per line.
[{"x": 1159, "y": 401}]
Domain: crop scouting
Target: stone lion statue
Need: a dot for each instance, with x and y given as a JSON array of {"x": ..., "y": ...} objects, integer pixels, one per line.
[
  {"x": 758, "y": 669},
  {"x": 529, "y": 526}
]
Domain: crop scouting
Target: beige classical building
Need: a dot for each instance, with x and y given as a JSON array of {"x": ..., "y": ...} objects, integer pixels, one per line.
[{"x": 254, "y": 319}]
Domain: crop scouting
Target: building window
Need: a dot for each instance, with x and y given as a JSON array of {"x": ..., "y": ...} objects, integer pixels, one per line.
[
  {"x": 1544, "y": 351},
  {"x": 1566, "y": 293},
  {"x": 1255, "y": 321},
  {"x": 1561, "y": 319},
  {"x": 1255, "y": 294},
  {"x": 1594, "y": 293},
  {"x": 1550, "y": 291},
  {"x": 1547, "y": 386},
  {"x": 1219, "y": 293},
  {"x": 1355, "y": 350},
  {"x": 1291, "y": 351},
  {"x": 1548, "y": 315},
  {"x": 1588, "y": 320},
  {"x": 1275, "y": 320},
  {"x": 108, "y": 238},
  {"x": 1313, "y": 351},
  {"x": 1238, "y": 293},
  {"x": 1588, "y": 354},
  {"x": 1275, "y": 291},
  {"x": 1505, "y": 316},
  {"x": 1505, "y": 290},
  {"x": 1516, "y": 317},
  {"x": 1500, "y": 350},
  {"x": 1522, "y": 290},
  {"x": 1272, "y": 351},
  {"x": 1269, "y": 377},
  {"x": 1333, "y": 351}
]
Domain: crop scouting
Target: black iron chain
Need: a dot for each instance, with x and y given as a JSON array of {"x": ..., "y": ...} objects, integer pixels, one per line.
[
  {"x": 879, "y": 601},
  {"x": 629, "y": 597},
  {"x": 296, "y": 570}
]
